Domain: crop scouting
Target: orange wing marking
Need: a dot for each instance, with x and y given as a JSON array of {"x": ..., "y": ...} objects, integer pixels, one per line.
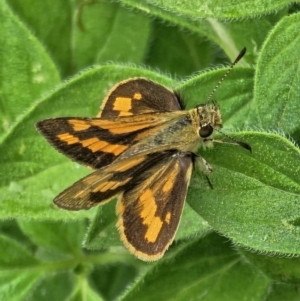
[
  {"x": 123, "y": 104},
  {"x": 168, "y": 217},
  {"x": 137, "y": 96},
  {"x": 79, "y": 125},
  {"x": 149, "y": 207},
  {"x": 94, "y": 144}
]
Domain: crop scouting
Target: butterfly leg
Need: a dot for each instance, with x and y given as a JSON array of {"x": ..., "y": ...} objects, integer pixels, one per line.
[{"x": 202, "y": 165}]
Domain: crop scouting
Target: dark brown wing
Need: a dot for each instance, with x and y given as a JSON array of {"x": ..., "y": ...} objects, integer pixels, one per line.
[
  {"x": 138, "y": 96},
  {"x": 149, "y": 212}
]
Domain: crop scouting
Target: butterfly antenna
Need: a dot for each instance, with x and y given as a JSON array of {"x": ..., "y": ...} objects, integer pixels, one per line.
[{"x": 241, "y": 54}]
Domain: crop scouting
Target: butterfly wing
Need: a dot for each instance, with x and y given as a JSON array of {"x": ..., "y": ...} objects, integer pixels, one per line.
[
  {"x": 149, "y": 211},
  {"x": 97, "y": 142},
  {"x": 138, "y": 96},
  {"x": 106, "y": 183}
]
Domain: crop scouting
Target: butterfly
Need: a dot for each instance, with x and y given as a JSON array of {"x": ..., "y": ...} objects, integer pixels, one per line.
[{"x": 142, "y": 146}]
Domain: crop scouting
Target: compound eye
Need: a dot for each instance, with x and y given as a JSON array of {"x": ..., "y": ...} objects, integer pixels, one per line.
[{"x": 206, "y": 131}]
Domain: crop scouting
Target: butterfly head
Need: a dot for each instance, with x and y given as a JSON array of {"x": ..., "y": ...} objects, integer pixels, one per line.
[
  {"x": 209, "y": 117},
  {"x": 209, "y": 114}
]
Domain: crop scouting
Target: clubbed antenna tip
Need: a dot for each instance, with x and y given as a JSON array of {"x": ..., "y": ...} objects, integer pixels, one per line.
[
  {"x": 241, "y": 54},
  {"x": 245, "y": 146}
]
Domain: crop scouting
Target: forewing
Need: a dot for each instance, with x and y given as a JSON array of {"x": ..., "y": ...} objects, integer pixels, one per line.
[
  {"x": 106, "y": 183},
  {"x": 97, "y": 142},
  {"x": 138, "y": 96},
  {"x": 149, "y": 212}
]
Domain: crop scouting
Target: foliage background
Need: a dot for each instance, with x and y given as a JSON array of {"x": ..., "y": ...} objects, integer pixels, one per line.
[{"x": 239, "y": 241}]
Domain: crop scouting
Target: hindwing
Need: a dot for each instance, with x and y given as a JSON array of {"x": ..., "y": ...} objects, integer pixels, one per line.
[
  {"x": 150, "y": 210},
  {"x": 108, "y": 182}
]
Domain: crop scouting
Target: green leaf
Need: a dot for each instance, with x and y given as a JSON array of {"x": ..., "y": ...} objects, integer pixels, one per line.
[
  {"x": 38, "y": 15},
  {"x": 18, "y": 273},
  {"x": 84, "y": 292},
  {"x": 16, "y": 286},
  {"x": 102, "y": 232},
  {"x": 277, "y": 81},
  {"x": 101, "y": 279},
  {"x": 26, "y": 69},
  {"x": 86, "y": 32},
  {"x": 221, "y": 9},
  {"x": 108, "y": 33},
  {"x": 22, "y": 275},
  {"x": 280, "y": 291},
  {"x": 230, "y": 36},
  {"x": 255, "y": 200},
  {"x": 278, "y": 269},
  {"x": 53, "y": 287},
  {"x": 27, "y": 160},
  {"x": 10, "y": 228},
  {"x": 246, "y": 33},
  {"x": 190, "y": 54},
  {"x": 204, "y": 268},
  {"x": 14, "y": 255},
  {"x": 56, "y": 236},
  {"x": 209, "y": 28}
]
